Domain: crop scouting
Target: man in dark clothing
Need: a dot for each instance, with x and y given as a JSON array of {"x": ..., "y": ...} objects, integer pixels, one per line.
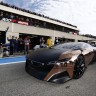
[
  {"x": 42, "y": 41},
  {"x": 20, "y": 44},
  {"x": 56, "y": 40},
  {"x": 16, "y": 45},
  {"x": 12, "y": 43}
]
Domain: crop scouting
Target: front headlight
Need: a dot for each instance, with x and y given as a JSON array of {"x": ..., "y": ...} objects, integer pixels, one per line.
[{"x": 59, "y": 62}]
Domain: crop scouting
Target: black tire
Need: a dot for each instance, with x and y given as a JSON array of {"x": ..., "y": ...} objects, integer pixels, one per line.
[{"x": 79, "y": 67}]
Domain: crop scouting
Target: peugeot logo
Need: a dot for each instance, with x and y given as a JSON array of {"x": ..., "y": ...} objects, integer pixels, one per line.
[
  {"x": 42, "y": 64},
  {"x": 31, "y": 62}
]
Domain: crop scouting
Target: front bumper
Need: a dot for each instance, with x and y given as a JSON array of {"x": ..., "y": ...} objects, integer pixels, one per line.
[{"x": 48, "y": 73}]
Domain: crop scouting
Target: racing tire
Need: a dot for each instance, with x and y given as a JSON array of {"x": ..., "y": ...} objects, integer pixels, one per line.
[{"x": 79, "y": 67}]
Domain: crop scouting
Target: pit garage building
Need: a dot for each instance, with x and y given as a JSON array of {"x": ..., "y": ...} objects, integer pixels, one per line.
[{"x": 19, "y": 22}]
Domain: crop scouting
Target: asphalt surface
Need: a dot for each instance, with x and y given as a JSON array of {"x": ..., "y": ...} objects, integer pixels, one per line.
[{"x": 14, "y": 81}]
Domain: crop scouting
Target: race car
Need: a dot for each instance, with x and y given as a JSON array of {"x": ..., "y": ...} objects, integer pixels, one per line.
[{"x": 61, "y": 62}]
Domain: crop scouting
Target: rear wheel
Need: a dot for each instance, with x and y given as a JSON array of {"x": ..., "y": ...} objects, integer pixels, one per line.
[{"x": 79, "y": 67}]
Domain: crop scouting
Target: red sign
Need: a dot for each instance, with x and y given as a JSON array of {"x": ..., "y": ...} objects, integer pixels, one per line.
[
  {"x": 23, "y": 23},
  {"x": 75, "y": 33},
  {"x": 14, "y": 21}
]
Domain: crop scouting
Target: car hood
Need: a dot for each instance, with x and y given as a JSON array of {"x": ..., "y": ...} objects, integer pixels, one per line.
[{"x": 46, "y": 55}]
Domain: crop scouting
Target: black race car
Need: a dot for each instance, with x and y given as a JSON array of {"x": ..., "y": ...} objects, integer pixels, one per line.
[{"x": 60, "y": 63}]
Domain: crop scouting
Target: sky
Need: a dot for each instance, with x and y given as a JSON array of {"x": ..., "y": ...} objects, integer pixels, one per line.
[{"x": 81, "y": 13}]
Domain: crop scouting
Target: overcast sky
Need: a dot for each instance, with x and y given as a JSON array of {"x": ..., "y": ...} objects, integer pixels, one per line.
[{"x": 81, "y": 13}]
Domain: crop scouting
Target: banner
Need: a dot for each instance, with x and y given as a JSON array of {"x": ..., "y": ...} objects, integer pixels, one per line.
[
  {"x": 14, "y": 21},
  {"x": 23, "y": 23}
]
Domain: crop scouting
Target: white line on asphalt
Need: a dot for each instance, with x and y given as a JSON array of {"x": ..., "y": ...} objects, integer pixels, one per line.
[{"x": 12, "y": 63}]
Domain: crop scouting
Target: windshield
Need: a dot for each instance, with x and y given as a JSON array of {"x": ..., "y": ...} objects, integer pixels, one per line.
[{"x": 72, "y": 45}]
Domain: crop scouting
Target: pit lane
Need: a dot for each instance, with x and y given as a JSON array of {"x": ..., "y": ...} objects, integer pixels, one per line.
[{"x": 14, "y": 81}]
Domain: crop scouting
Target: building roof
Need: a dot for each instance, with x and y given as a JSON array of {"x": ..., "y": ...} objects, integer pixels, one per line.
[{"x": 27, "y": 13}]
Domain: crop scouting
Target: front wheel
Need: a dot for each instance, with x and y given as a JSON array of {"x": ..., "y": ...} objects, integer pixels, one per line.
[{"x": 79, "y": 67}]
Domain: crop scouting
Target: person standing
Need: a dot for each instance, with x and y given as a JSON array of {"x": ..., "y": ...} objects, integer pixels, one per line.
[
  {"x": 12, "y": 44},
  {"x": 20, "y": 44},
  {"x": 56, "y": 40},
  {"x": 16, "y": 45},
  {"x": 42, "y": 41},
  {"x": 49, "y": 42},
  {"x": 26, "y": 45}
]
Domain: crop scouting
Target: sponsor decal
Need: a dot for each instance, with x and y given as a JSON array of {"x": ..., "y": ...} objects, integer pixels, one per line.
[
  {"x": 23, "y": 23},
  {"x": 74, "y": 33},
  {"x": 6, "y": 20},
  {"x": 14, "y": 21}
]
